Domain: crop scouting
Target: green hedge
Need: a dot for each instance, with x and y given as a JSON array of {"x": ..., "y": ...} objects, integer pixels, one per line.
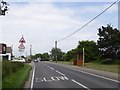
[
  {"x": 10, "y": 67},
  {"x": 16, "y": 81}
]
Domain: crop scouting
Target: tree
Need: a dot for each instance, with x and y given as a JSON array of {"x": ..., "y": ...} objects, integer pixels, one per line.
[
  {"x": 45, "y": 56},
  {"x": 3, "y": 7},
  {"x": 109, "y": 42},
  {"x": 91, "y": 50},
  {"x": 70, "y": 55},
  {"x": 56, "y": 52}
]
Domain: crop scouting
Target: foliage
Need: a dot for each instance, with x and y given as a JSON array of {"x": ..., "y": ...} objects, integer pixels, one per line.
[
  {"x": 91, "y": 50},
  {"x": 3, "y": 7},
  {"x": 16, "y": 80},
  {"x": 10, "y": 67},
  {"x": 45, "y": 56},
  {"x": 70, "y": 55},
  {"x": 109, "y": 43},
  {"x": 56, "y": 52}
]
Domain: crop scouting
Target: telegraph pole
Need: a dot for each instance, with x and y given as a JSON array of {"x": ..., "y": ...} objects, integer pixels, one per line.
[
  {"x": 83, "y": 56},
  {"x": 56, "y": 50},
  {"x": 30, "y": 50}
]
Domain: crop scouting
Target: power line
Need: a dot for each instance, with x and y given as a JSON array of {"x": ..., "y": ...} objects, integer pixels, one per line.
[{"x": 89, "y": 21}]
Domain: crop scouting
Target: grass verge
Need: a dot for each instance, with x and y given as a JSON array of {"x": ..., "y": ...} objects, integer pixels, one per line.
[
  {"x": 109, "y": 68},
  {"x": 102, "y": 67},
  {"x": 17, "y": 79}
]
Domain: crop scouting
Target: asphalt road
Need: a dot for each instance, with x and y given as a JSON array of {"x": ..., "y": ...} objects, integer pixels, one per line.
[{"x": 51, "y": 75}]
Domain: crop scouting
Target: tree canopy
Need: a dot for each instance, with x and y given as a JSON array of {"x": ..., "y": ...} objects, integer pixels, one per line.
[{"x": 109, "y": 42}]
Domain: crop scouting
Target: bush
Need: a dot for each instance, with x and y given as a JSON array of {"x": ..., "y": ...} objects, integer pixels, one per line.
[
  {"x": 107, "y": 61},
  {"x": 10, "y": 67}
]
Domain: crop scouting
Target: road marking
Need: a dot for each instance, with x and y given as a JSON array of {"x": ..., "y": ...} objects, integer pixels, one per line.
[
  {"x": 44, "y": 79},
  {"x": 51, "y": 68},
  {"x": 54, "y": 78},
  {"x": 36, "y": 80},
  {"x": 33, "y": 77},
  {"x": 48, "y": 66},
  {"x": 98, "y": 76},
  {"x": 60, "y": 73},
  {"x": 80, "y": 84}
]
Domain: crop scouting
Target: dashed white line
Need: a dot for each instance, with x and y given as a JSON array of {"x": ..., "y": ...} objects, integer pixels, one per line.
[
  {"x": 33, "y": 77},
  {"x": 80, "y": 84},
  {"x": 60, "y": 73}
]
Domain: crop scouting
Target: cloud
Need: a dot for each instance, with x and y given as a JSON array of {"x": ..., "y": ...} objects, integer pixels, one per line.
[{"x": 44, "y": 23}]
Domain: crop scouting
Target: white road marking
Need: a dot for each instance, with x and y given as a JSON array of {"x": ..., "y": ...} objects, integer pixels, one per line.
[
  {"x": 60, "y": 73},
  {"x": 36, "y": 80},
  {"x": 51, "y": 68},
  {"x": 44, "y": 79},
  {"x": 48, "y": 66},
  {"x": 55, "y": 78},
  {"x": 33, "y": 77},
  {"x": 80, "y": 84},
  {"x": 98, "y": 76}
]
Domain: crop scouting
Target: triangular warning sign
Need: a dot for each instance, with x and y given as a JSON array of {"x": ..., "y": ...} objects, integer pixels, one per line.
[
  {"x": 21, "y": 46},
  {"x": 22, "y": 40}
]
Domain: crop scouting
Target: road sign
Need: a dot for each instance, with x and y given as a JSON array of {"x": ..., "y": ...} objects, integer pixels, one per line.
[
  {"x": 22, "y": 40},
  {"x": 21, "y": 46}
]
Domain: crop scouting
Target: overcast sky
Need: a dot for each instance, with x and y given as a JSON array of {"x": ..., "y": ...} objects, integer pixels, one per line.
[{"x": 42, "y": 23}]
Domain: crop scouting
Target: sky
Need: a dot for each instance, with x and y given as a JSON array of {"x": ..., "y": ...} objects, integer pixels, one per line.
[{"x": 43, "y": 23}]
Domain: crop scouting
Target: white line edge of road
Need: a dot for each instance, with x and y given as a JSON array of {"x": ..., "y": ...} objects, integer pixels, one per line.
[
  {"x": 97, "y": 75},
  {"x": 80, "y": 84},
  {"x": 33, "y": 74},
  {"x": 100, "y": 76}
]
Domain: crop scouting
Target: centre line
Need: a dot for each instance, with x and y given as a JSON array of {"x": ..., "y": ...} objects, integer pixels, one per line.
[{"x": 80, "y": 84}]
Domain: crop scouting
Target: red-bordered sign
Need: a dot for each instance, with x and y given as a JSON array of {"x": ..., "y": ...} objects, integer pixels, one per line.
[
  {"x": 22, "y": 40},
  {"x": 21, "y": 46}
]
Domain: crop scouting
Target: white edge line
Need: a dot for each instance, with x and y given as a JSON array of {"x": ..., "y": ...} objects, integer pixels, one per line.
[
  {"x": 98, "y": 76},
  {"x": 33, "y": 74},
  {"x": 80, "y": 84}
]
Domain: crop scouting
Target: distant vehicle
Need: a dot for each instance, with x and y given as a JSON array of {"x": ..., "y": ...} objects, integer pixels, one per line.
[{"x": 35, "y": 60}]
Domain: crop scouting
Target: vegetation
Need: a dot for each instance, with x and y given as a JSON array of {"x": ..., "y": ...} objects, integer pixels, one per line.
[
  {"x": 110, "y": 68},
  {"x": 10, "y": 67},
  {"x": 105, "y": 51},
  {"x": 56, "y": 52},
  {"x": 17, "y": 79},
  {"x": 109, "y": 44}
]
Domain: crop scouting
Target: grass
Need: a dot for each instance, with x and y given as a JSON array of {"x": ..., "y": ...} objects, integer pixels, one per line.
[
  {"x": 103, "y": 67},
  {"x": 110, "y": 68},
  {"x": 17, "y": 79},
  {"x": 66, "y": 62}
]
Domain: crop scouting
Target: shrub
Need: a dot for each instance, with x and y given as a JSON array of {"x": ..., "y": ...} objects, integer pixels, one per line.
[{"x": 10, "y": 67}]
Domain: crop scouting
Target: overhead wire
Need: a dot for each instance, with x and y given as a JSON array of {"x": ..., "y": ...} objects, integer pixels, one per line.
[{"x": 89, "y": 21}]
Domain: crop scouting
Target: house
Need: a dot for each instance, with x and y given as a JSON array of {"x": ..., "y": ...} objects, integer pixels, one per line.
[{"x": 5, "y": 52}]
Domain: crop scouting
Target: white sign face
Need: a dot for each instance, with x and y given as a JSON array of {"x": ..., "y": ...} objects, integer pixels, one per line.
[{"x": 51, "y": 79}]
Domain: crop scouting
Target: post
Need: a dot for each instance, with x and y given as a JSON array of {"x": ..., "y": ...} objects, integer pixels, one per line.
[
  {"x": 83, "y": 56},
  {"x": 56, "y": 50}
]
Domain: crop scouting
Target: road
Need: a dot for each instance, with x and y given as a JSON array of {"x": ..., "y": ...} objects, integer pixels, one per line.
[{"x": 51, "y": 75}]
